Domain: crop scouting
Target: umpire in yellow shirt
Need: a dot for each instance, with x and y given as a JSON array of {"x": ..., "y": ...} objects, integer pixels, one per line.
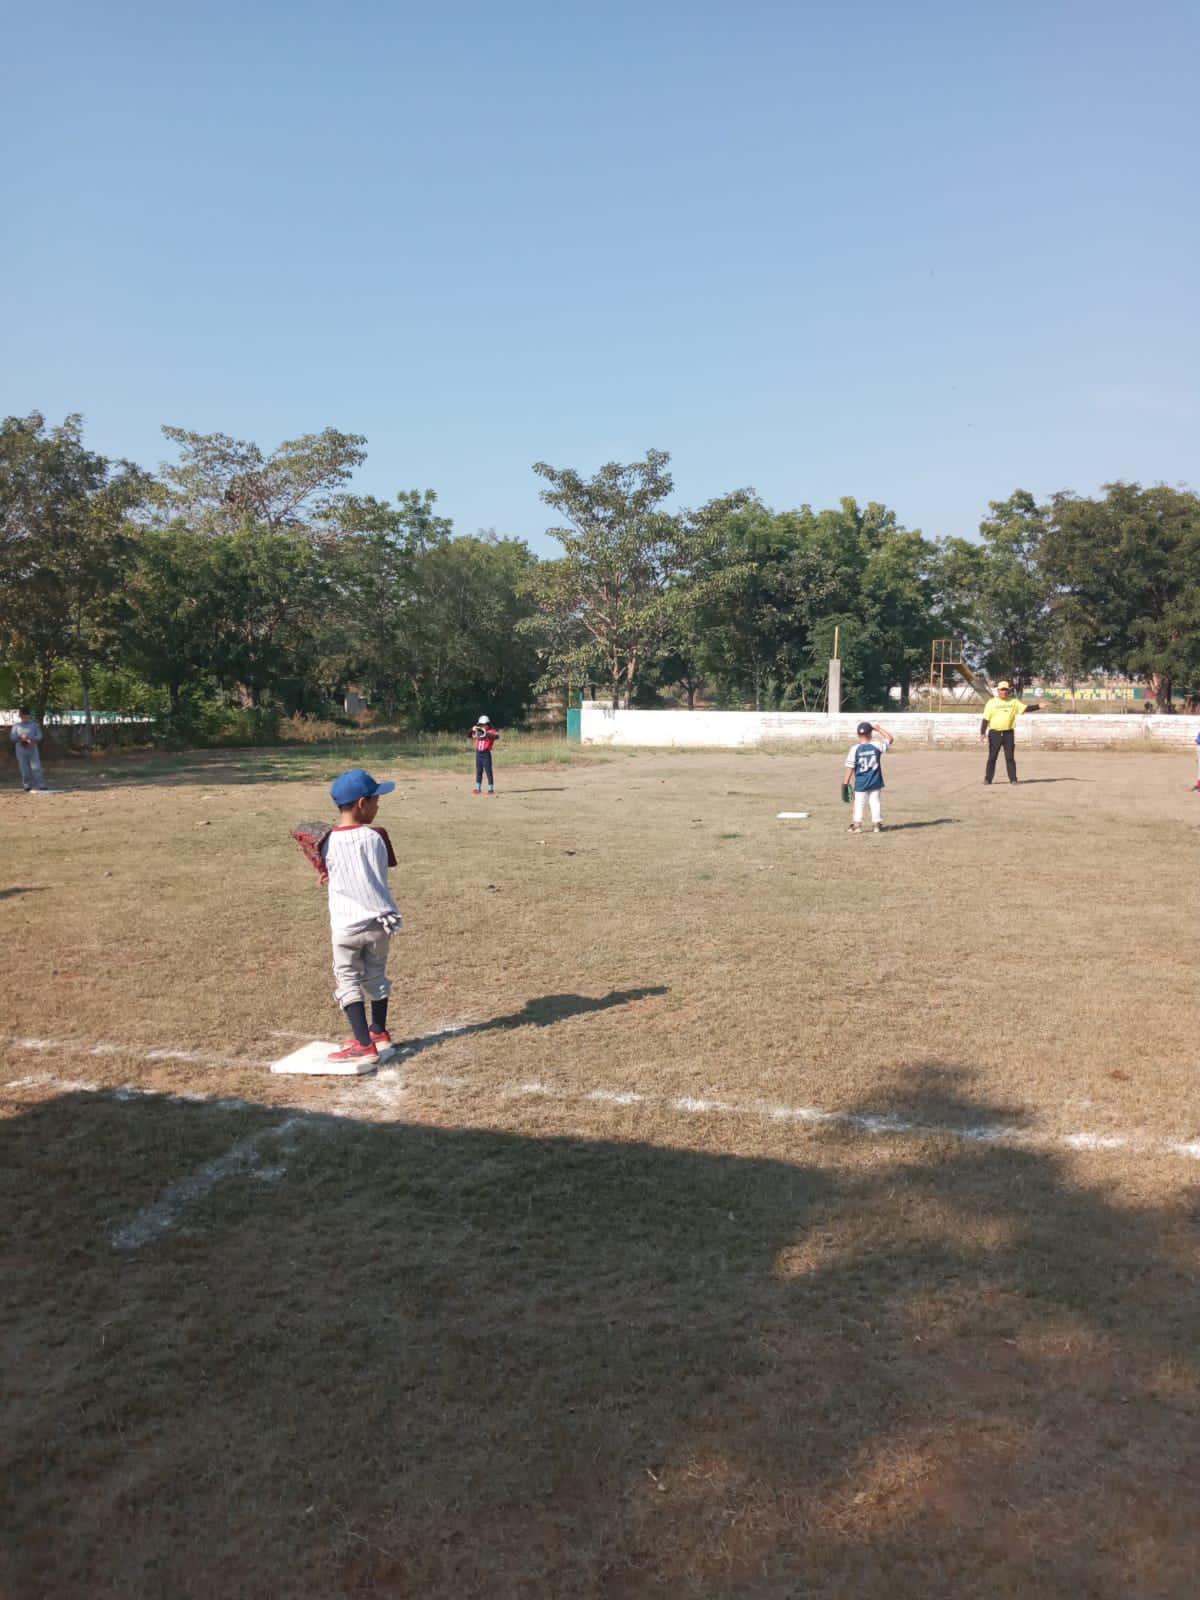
[{"x": 999, "y": 718}]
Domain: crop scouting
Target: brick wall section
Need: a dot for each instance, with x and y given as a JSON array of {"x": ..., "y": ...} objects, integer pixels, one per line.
[{"x": 732, "y": 730}]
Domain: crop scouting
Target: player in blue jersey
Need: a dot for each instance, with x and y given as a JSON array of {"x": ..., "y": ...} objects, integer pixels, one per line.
[{"x": 864, "y": 769}]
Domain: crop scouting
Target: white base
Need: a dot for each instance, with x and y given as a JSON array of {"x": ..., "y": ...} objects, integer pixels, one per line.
[
  {"x": 313, "y": 1060},
  {"x": 783, "y": 816}
]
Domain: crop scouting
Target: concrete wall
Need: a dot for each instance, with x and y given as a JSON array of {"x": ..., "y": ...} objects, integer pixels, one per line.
[{"x": 732, "y": 730}]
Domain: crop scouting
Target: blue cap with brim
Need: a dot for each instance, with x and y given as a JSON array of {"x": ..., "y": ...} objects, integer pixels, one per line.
[{"x": 356, "y": 785}]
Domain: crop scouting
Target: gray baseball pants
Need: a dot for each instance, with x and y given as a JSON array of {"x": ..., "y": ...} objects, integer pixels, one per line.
[{"x": 360, "y": 966}]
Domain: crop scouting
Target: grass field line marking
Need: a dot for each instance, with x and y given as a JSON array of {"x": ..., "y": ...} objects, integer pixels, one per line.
[
  {"x": 165, "y": 1213},
  {"x": 42, "y": 1080},
  {"x": 198, "y": 1057},
  {"x": 876, "y": 1124},
  {"x": 201, "y": 1058}
]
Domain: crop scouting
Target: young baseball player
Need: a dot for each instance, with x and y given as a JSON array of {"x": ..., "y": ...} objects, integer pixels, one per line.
[
  {"x": 864, "y": 769},
  {"x": 26, "y": 736},
  {"x": 362, "y": 914},
  {"x": 485, "y": 736}
]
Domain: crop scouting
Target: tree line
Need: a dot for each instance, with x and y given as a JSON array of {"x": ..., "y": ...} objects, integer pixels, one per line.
[{"x": 234, "y": 587}]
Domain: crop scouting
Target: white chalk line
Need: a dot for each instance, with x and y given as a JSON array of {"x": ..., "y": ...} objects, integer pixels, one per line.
[
  {"x": 196, "y": 1057},
  {"x": 204, "y": 1058},
  {"x": 387, "y": 1086},
  {"x": 167, "y": 1212},
  {"x": 876, "y": 1124}
]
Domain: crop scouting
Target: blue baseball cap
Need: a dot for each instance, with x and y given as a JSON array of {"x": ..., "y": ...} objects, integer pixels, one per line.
[{"x": 356, "y": 785}]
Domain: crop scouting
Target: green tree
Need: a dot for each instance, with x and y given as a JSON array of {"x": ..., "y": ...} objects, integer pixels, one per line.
[
  {"x": 1125, "y": 571},
  {"x": 369, "y": 633},
  {"x": 423, "y": 623},
  {"x": 604, "y": 608},
  {"x": 996, "y": 594},
  {"x": 218, "y": 484},
  {"x": 803, "y": 577},
  {"x": 470, "y": 651},
  {"x": 173, "y": 609},
  {"x": 66, "y": 543},
  {"x": 272, "y": 594},
  {"x": 897, "y": 609},
  {"x": 753, "y": 631}
]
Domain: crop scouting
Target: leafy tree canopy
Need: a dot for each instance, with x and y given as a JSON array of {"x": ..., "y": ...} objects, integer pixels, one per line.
[{"x": 219, "y": 483}]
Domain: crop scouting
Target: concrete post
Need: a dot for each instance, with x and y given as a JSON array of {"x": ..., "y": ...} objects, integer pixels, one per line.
[{"x": 835, "y": 687}]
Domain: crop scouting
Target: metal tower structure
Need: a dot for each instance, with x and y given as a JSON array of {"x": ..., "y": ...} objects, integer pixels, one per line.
[{"x": 946, "y": 658}]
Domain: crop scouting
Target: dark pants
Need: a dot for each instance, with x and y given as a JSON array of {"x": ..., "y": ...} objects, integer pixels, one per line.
[
  {"x": 483, "y": 765},
  {"x": 1005, "y": 741}
]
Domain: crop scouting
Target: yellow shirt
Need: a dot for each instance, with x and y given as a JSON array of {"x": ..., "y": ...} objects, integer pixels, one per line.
[{"x": 1001, "y": 714}]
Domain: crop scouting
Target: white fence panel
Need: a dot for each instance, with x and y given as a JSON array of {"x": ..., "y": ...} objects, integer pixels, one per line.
[{"x": 734, "y": 730}]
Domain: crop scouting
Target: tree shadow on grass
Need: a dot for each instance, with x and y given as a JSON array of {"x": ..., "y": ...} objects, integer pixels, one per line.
[
  {"x": 218, "y": 769},
  {"x": 296, "y": 763},
  {"x": 401, "y": 1359},
  {"x": 539, "y": 1013}
]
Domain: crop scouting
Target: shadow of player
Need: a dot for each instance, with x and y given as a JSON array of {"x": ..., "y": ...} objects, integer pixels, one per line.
[
  {"x": 540, "y": 1013},
  {"x": 933, "y": 822},
  {"x": 544, "y": 788}
]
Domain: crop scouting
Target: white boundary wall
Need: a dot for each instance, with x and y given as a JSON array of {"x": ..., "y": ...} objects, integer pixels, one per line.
[{"x": 734, "y": 730}]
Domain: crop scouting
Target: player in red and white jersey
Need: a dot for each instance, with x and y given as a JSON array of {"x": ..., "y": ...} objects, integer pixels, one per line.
[{"x": 485, "y": 736}]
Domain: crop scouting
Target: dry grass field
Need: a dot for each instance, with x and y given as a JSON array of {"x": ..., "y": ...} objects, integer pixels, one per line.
[{"x": 757, "y": 1211}]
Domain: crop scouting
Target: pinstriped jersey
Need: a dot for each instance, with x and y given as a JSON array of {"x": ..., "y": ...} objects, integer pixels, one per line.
[{"x": 357, "y": 861}]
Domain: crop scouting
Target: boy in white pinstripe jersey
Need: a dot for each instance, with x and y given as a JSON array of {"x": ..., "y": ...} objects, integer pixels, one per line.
[{"x": 362, "y": 914}]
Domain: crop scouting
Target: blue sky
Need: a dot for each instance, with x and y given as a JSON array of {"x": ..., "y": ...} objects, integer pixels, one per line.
[{"x": 919, "y": 253}]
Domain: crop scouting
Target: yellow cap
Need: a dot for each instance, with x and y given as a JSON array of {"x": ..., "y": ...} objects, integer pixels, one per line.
[{"x": 1004, "y": 684}]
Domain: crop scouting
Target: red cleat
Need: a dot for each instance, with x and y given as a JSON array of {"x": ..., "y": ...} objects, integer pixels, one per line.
[
  {"x": 353, "y": 1051},
  {"x": 381, "y": 1040}
]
